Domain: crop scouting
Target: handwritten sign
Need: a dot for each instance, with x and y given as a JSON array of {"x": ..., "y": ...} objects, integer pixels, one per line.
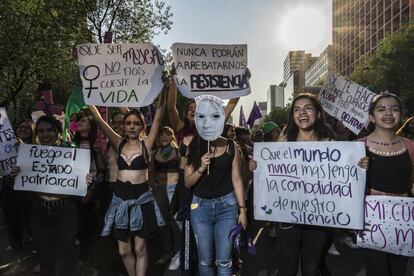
[
  {"x": 314, "y": 183},
  {"x": 206, "y": 69},
  {"x": 347, "y": 101},
  {"x": 390, "y": 225},
  {"x": 54, "y": 170},
  {"x": 8, "y": 153},
  {"x": 120, "y": 74}
]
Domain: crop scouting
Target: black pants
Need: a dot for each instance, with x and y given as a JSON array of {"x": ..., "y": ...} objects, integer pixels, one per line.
[
  {"x": 16, "y": 206},
  {"x": 379, "y": 263},
  {"x": 54, "y": 232},
  {"x": 307, "y": 243},
  {"x": 170, "y": 233}
]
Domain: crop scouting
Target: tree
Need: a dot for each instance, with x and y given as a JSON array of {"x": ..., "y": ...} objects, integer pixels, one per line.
[
  {"x": 391, "y": 67},
  {"x": 279, "y": 116},
  {"x": 131, "y": 20}
]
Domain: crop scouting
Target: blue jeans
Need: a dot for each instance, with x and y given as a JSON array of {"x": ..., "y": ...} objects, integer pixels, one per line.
[{"x": 212, "y": 221}]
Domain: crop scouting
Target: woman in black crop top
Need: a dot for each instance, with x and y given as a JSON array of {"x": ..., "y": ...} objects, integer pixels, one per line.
[
  {"x": 218, "y": 196},
  {"x": 166, "y": 162},
  {"x": 132, "y": 188},
  {"x": 390, "y": 171}
]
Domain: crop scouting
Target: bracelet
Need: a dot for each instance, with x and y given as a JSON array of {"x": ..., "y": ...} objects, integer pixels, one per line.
[
  {"x": 242, "y": 207},
  {"x": 198, "y": 170}
]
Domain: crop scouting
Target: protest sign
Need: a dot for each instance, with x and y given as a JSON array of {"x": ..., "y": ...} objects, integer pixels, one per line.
[
  {"x": 389, "y": 225},
  {"x": 120, "y": 74},
  {"x": 314, "y": 183},
  {"x": 347, "y": 101},
  {"x": 207, "y": 69},
  {"x": 53, "y": 170},
  {"x": 8, "y": 153}
]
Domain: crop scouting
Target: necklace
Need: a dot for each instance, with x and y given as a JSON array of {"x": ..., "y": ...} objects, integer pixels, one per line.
[
  {"x": 385, "y": 144},
  {"x": 385, "y": 153}
]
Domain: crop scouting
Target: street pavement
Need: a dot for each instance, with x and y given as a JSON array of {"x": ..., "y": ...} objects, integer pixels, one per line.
[{"x": 264, "y": 263}]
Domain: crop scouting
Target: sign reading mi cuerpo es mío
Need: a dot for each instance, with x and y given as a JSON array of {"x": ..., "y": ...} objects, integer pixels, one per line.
[
  {"x": 314, "y": 183},
  {"x": 8, "y": 153},
  {"x": 347, "y": 101},
  {"x": 206, "y": 69},
  {"x": 53, "y": 170},
  {"x": 389, "y": 225},
  {"x": 120, "y": 74}
]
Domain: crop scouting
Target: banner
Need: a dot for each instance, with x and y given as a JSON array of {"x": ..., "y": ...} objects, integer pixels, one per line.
[
  {"x": 126, "y": 74},
  {"x": 53, "y": 170},
  {"x": 347, "y": 101},
  {"x": 206, "y": 69},
  {"x": 8, "y": 152},
  {"x": 389, "y": 225},
  {"x": 314, "y": 183}
]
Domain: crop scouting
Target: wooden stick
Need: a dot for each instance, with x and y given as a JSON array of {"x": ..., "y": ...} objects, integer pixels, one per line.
[{"x": 208, "y": 151}]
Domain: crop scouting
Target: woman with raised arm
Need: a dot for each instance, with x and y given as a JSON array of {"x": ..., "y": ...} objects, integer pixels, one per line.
[
  {"x": 133, "y": 213},
  {"x": 391, "y": 167}
]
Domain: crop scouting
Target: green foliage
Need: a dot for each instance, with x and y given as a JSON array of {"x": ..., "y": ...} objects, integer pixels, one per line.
[
  {"x": 278, "y": 116},
  {"x": 391, "y": 67},
  {"x": 131, "y": 20}
]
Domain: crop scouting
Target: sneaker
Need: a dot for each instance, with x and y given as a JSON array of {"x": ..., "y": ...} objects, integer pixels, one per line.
[
  {"x": 36, "y": 269},
  {"x": 333, "y": 251},
  {"x": 175, "y": 262},
  {"x": 348, "y": 241}
]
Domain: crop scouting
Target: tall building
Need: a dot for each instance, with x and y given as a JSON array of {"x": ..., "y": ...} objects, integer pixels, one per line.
[
  {"x": 359, "y": 26},
  {"x": 294, "y": 67},
  {"x": 275, "y": 97},
  {"x": 263, "y": 108},
  {"x": 319, "y": 70}
]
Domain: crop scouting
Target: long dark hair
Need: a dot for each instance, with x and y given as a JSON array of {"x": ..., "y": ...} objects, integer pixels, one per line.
[
  {"x": 92, "y": 135},
  {"x": 196, "y": 149},
  {"x": 322, "y": 130},
  {"x": 140, "y": 117},
  {"x": 187, "y": 106}
]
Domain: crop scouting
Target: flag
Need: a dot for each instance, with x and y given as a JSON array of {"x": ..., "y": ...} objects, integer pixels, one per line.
[
  {"x": 254, "y": 115},
  {"x": 75, "y": 103},
  {"x": 242, "y": 118}
]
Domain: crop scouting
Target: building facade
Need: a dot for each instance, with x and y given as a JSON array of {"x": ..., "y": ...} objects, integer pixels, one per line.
[
  {"x": 359, "y": 26},
  {"x": 275, "y": 97},
  {"x": 295, "y": 65},
  {"x": 263, "y": 108},
  {"x": 319, "y": 71}
]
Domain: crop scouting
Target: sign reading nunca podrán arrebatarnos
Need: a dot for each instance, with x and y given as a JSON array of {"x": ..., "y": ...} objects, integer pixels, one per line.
[
  {"x": 126, "y": 74},
  {"x": 314, "y": 183},
  {"x": 54, "y": 170},
  {"x": 207, "y": 69}
]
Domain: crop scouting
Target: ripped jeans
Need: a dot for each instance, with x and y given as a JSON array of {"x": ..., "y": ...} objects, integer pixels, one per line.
[{"x": 212, "y": 220}]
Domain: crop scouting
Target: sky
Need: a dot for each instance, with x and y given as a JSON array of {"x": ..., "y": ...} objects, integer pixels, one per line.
[{"x": 270, "y": 28}]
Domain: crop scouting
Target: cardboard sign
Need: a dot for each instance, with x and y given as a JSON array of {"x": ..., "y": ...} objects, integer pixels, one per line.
[
  {"x": 347, "y": 101},
  {"x": 314, "y": 183},
  {"x": 53, "y": 170},
  {"x": 206, "y": 69},
  {"x": 389, "y": 225},
  {"x": 8, "y": 152},
  {"x": 120, "y": 74}
]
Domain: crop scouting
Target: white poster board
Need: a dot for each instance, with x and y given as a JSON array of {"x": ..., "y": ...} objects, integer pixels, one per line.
[
  {"x": 207, "y": 69},
  {"x": 390, "y": 225},
  {"x": 8, "y": 152},
  {"x": 126, "y": 74},
  {"x": 53, "y": 170},
  {"x": 314, "y": 183},
  {"x": 347, "y": 101}
]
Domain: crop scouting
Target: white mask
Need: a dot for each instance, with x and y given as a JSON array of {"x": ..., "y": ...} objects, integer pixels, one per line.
[{"x": 209, "y": 117}]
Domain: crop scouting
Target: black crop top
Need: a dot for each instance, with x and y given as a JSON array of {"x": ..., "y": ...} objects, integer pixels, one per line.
[
  {"x": 389, "y": 174},
  {"x": 167, "y": 166},
  {"x": 134, "y": 162},
  {"x": 218, "y": 183}
]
